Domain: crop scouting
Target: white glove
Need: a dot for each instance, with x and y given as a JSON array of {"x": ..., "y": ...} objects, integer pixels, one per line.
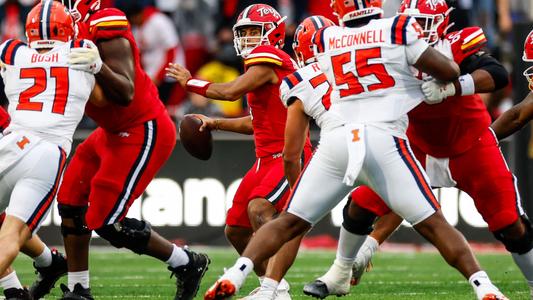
[
  {"x": 436, "y": 91},
  {"x": 86, "y": 58}
]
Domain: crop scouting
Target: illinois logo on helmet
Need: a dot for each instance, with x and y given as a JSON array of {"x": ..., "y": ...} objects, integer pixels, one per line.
[
  {"x": 303, "y": 38},
  {"x": 432, "y": 15},
  {"x": 350, "y": 10},
  {"x": 528, "y": 57},
  {"x": 49, "y": 23},
  {"x": 81, "y": 10},
  {"x": 265, "y": 17}
]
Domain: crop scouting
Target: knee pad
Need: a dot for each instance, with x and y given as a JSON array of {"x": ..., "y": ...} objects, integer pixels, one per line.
[
  {"x": 128, "y": 233},
  {"x": 355, "y": 226},
  {"x": 77, "y": 215},
  {"x": 519, "y": 246}
]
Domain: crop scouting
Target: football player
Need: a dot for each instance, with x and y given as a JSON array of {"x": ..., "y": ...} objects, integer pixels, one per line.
[
  {"x": 45, "y": 110},
  {"x": 370, "y": 148},
  {"x": 114, "y": 165},
  {"x": 49, "y": 264},
  {"x": 519, "y": 115},
  {"x": 259, "y": 34},
  {"x": 465, "y": 143}
]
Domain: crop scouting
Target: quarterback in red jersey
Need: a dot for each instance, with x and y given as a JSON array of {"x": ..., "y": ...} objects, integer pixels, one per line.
[
  {"x": 451, "y": 138},
  {"x": 520, "y": 114},
  {"x": 114, "y": 165},
  {"x": 259, "y": 34}
]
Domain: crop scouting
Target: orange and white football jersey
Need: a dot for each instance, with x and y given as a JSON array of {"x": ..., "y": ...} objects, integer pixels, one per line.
[
  {"x": 369, "y": 68},
  {"x": 46, "y": 97},
  {"x": 310, "y": 85}
]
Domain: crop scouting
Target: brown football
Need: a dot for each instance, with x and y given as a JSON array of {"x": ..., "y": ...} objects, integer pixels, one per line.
[{"x": 198, "y": 143}]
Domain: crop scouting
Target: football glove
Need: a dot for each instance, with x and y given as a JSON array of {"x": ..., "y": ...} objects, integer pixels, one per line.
[
  {"x": 436, "y": 91},
  {"x": 86, "y": 58}
]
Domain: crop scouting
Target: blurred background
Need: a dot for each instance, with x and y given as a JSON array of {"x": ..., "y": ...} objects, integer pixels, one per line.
[{"x": 188, "y": 193}]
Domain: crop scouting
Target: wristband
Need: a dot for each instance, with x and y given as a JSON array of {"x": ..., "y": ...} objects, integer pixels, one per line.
[
  {"x": 198, "y": 86},
  {"x": 217, "y": 124},
  {"x": 468, "y": 87}
]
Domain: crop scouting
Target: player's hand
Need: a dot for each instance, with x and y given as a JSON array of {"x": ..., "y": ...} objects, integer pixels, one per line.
[
  {"x": 86, "y": 59},
  {"x": 179, "y": 73},
  {"x": 435, "y": 91},
  {"x": 207, "y": 122}
]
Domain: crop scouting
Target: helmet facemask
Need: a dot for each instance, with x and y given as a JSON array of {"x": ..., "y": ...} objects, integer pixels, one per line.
[
  {"x": 79, "y": 14},
  {"x": 244, "y": 45}
]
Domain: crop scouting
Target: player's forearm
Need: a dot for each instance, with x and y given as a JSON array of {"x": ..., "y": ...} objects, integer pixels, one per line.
[
  {"x": 508, "y": 123},
  {"x": 239, "y": 125},
  {"x": 292, "y": 169},
  {"x": 117, "y": 88},
  {"x": 224, "y": 91}
]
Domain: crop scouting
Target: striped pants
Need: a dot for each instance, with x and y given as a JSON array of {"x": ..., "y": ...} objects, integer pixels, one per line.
[
  {"x": 388, "y": 167},
  {"x": 110, "y": 170}
]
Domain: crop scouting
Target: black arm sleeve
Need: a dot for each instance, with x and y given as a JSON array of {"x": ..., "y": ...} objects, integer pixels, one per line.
[{"x": 483, "y": 60}]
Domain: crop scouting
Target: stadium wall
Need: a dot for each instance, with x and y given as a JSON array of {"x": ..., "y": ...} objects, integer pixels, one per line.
[{"x": 188, "y": 199}]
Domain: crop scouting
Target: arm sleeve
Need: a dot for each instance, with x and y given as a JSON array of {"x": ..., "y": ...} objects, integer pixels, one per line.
[{"x": 482, "y": 60}]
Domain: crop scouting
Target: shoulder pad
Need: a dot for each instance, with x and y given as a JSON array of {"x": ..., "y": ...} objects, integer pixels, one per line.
[
  {"x": 264, "y": 55},
  {"x": 8, "y": 50},
  {"x": 466, "y": 42},
  {"x": 107, "y": 24},
  {"x": 405, "y": 30},
  {"x": 290, "y": 87}
]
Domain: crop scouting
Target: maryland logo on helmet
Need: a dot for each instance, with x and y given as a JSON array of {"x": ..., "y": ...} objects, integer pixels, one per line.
[{"x": 528, "y": 57}]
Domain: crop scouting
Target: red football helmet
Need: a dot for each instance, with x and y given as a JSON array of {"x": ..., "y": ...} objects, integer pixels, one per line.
[
  {"x": 56, "y": 25},
  {"x": 270, "y": 22},
  {"x": 432, "y": 15},
  {"x": 528, "y": 57},
  {"x": 81, "y": 10},
  {"x": 349, "y": 10},
  {"x": 303, "y": 44}
]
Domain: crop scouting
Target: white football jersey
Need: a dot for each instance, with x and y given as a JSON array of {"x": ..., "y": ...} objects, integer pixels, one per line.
[
  {"x": 310, "y": 85},
  {"x": 46, "y": 97},
  {"x": 369, "y": 68}
]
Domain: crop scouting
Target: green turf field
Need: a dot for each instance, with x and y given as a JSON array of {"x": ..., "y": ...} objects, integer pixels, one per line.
[{"x": 121, "y": 275}]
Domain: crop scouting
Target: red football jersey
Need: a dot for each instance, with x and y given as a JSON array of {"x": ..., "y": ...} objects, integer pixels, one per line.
[
  {"x": 108, "y": 24},
  {"x": 4, "y": 119},
  {"x": 450, "y": 128},
  {"x": 268, "y": 113}
]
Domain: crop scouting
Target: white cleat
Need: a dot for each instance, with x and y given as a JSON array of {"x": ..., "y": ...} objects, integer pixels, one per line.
[{"x": 335, "y": 282}]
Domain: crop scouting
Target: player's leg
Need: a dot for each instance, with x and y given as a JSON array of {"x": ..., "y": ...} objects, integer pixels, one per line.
[
  {"x": 12, "y": 287},
  {"x": 239, "y": 229},
  {"x": 49, "y": 264},
  {"x": 386, "y": 224},
  {"x": 402, "y": 183},
  {"x": 129, "y": 163},
  {"x": 307, "y": 205},
  {"x": 499, "y": 204},
  {"x": 269, "y": 198},
  {"x": 34, "y": 181},
  {"x": 72, "y": 200}
]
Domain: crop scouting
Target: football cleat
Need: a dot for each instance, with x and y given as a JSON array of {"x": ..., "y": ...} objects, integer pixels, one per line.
[
  {"x": 494, "y": 297},
  {"x": 48, "y": 276},
  {"x": 189, "y": 276},
  {"x": 222, "y": 289},
  {"x": 78, "y": 293},
  {"x": 17, "y": 294},
  {"x": 319, "y": 289},
  {"x": 358, "y": 269}
]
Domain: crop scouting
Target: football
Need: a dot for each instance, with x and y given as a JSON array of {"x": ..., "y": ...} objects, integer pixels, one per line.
[{"x": 198, "y": 143}]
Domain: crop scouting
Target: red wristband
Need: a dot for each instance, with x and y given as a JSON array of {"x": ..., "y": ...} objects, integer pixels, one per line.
[{"x": 198, "y": 86}]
